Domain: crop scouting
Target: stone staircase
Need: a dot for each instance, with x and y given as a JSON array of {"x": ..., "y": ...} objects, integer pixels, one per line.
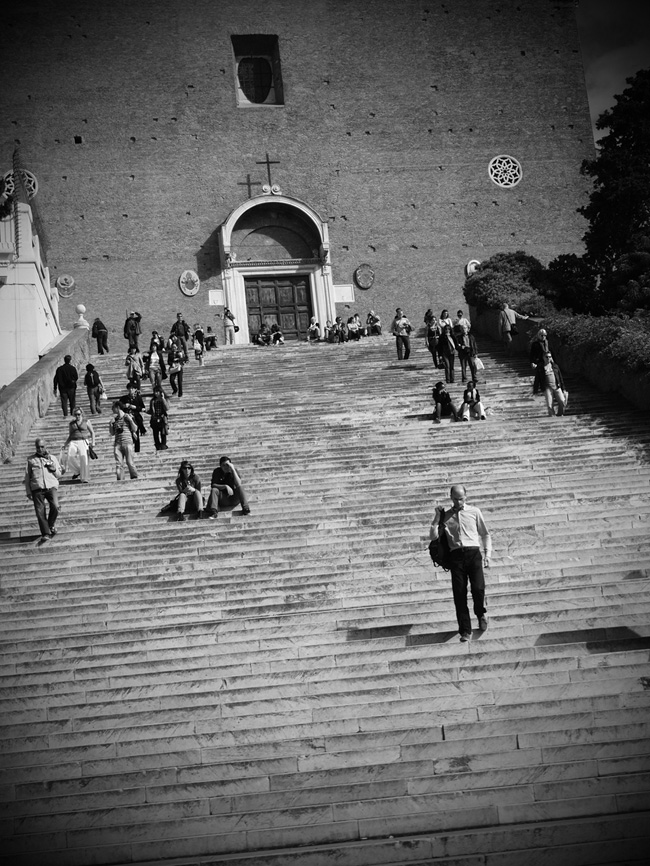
[{"x": 289, "y": 687}]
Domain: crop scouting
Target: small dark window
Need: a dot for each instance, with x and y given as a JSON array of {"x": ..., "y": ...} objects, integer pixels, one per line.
[
  {"x": 255, "y": 78},
  {"x": 257, "y": 69}
]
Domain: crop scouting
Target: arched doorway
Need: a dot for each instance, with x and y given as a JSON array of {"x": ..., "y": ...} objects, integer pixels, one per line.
[{"x": 275, "y": 254}]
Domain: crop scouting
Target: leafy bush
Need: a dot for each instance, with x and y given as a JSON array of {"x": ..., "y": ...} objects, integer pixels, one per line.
[
  {"x": 624, "y": 341},
  {"x": 507, "y": 278}
]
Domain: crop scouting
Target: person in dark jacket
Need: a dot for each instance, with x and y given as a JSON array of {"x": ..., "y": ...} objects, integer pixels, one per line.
[
  {"x": 181, "y": 330},
  {"x": 175, "y": 364},
  {"x": 93, "y": 385},
  {"x": 100, "y": 333},
  {"x": 432, "y": 337},
  {"x": 226, "y": 489},
  {"x": 447, "y": 351},
  {"x": 65, "y": 381},
  {"x": 443, "y": 404},
  {"x": 132, "y": 329},
  {"x": 158, "y": 409},
  {"x": 538, "y": 350}
]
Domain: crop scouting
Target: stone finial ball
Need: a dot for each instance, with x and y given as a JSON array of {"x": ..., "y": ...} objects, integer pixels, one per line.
[{"x": 80, "y": 309}]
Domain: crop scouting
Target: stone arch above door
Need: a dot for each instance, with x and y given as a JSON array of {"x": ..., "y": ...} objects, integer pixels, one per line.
[
  {"x": 274, "y": 231},
  {"x": 275, "y": 234},
  {"x": 272, "y": 213}
]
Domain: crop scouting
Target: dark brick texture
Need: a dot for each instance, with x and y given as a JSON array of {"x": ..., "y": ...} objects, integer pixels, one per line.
[{"x": 126, "y": 112}]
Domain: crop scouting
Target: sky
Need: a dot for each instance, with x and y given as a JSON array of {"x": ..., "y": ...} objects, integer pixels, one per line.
[{"x": 615, "y": 40}]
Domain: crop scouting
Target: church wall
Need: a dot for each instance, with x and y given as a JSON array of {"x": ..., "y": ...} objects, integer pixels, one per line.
[{"x": 392, "y": 113}]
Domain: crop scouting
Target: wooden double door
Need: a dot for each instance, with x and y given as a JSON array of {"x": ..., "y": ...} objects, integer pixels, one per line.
[{"x": 282, "y": 300}]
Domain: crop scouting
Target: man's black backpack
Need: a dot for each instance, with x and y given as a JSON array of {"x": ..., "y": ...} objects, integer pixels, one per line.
[{"x": 439, "y": 548}]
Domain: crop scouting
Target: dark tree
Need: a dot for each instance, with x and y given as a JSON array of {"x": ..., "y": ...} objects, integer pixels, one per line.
[
  {"x": 572, "y": 283},
  {"x": 619, "y": 206}
]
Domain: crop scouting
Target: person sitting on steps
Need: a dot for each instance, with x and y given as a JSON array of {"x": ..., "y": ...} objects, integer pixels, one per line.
[
  {"x": 443, "y": 404},
  {"x": 277, "y": 337},
  {"x": 188, "y": 484},
  {"x": 472, "y": 403},
  {"x": 264, "y": 335},
  {"x": 226, "y": 489}
]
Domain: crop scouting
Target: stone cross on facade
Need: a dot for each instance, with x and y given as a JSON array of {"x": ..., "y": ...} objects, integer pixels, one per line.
[{"x": 268, "y": 163}]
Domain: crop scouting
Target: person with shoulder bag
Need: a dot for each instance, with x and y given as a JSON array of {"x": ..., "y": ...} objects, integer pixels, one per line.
[
  {"x": 466, "y": 533},
  {"x": 80, "y": 446}
]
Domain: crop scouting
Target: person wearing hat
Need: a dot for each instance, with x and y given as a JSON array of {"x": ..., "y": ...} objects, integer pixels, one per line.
[
  {"x": 65, "y": 381},
  {"x": 132, "y": 329},
  {"x": 538, "y": 350}
]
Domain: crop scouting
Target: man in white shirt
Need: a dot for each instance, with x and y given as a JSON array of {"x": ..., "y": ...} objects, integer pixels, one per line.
[{"x": 466, "y": 534}]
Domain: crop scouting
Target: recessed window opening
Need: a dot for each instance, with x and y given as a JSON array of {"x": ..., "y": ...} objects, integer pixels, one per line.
[{"x": 257, "y": 70}]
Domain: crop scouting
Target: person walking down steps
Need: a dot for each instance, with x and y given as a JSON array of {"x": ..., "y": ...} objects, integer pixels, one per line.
[
  {"x": 466, "y": 534},
  {"x": 41, "y": 481}
]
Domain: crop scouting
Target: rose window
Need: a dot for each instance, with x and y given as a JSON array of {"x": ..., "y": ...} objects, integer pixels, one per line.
[{"x": 505, "y": 171}]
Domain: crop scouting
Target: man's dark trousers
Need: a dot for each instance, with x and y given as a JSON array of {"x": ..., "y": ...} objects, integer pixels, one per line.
[
  {"x": 39, "y": 497},
  {"x": 403, "y": 347},
  {"x": 68, "y": 400},
  {"x": 467, "y": 565}
]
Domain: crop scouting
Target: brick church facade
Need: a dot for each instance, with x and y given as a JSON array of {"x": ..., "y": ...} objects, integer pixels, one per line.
[{"x": 301, "y": 158}]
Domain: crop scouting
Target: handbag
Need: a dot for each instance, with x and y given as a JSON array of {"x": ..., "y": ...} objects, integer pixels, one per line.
[
  {"x": 514, "y": 330},
  {"x": 236, "y": 328},
  {"x": 439, "y": 549},
  {"x": 91, "y": 452},
  {"x": 479, "y": 364}
]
